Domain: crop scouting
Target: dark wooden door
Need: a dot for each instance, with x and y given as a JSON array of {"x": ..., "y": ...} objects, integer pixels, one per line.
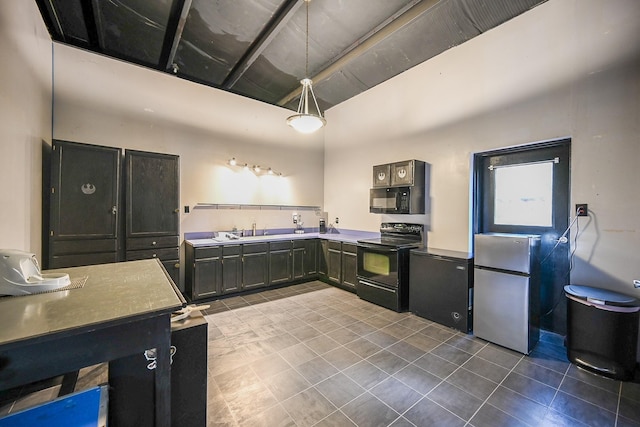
[
  {"x": 85, "y": 186},
  {"x": 153, "y": 194}
]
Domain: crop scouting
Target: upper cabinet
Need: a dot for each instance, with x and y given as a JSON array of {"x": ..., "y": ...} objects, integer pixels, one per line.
[
  {"x": 84, "y": 204},
  {"x": 407, "y": 173}
]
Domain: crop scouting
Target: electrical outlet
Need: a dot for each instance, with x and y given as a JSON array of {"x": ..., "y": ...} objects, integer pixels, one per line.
[
  {"x": 186, "y": 209},
  {"x": 582, "y": 209},
  {"x": 337, "y": 220},
  {"x": 295, "y": 218}
]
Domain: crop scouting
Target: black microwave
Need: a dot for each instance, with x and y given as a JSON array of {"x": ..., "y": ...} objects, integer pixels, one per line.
[{"x": 397, "y": 200}]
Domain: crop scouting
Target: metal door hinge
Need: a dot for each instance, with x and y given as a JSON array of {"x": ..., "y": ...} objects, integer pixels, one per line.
[{"x": 51, "y": 233}]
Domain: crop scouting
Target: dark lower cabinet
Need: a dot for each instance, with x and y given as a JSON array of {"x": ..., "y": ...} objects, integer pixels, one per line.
[
  {"x": 280, "y": 262},
  {"x": 349, "y": 265},
  {"x": 334, "y": 261},
  {"x": 231, "y": 269},
  {"x": 131, "y": 382},
  {"x": 213, "y": 271},
  {"x": 203, "y": 272},
  {"x": 305, "y": 258},
  {"x": 255, "y": 266},
  {"x": 338, "y": 263}
]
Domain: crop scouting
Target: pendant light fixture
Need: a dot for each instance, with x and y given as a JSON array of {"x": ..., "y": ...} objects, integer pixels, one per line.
[{"x": 304, "y": 121}]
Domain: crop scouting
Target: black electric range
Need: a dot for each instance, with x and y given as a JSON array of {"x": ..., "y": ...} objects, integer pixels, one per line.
[{"x": 383, "y": 264}]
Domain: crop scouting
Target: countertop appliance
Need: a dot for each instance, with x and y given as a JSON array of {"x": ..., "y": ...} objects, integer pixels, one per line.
[
  {"x": 383, "y": 264},
  {"x": 506, "y": 307},
  {"x": 20, "y": 275},
  {"x": 441, "y": 287}
]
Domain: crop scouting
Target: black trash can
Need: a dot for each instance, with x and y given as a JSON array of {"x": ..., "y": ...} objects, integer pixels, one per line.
[{"x": 602, "y": 331}]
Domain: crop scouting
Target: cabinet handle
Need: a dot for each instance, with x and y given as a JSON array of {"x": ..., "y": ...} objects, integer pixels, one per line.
[
  {"x": 154, "y": 243},
  {"x": 176, "y": 265},
  {"x": 176, "y": 210},
  {"x": 114, "y": 210},
  {"x": 154, "y": 256}
]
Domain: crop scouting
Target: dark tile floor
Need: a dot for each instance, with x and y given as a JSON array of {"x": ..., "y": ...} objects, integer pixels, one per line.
[{"x": 315, "y": 355}]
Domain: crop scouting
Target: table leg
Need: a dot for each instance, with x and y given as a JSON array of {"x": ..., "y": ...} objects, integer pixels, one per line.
[{"x": 163, "y": 375}]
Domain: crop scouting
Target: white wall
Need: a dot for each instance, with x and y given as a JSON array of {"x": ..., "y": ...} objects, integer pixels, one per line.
[
  {"x": 25, "y": 122},
  {"x": 102, "y": 101},
  {"x": 565, "y": 68}
]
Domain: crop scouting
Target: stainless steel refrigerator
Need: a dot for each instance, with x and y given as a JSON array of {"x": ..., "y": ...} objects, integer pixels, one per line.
[{"x": 506, "y": 306}]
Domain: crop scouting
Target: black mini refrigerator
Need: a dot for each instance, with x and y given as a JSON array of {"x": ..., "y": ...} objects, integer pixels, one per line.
[{"x": 441, "y": 287}]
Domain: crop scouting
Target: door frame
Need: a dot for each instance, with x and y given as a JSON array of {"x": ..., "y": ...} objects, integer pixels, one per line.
[{"x": 553, "y": 310}]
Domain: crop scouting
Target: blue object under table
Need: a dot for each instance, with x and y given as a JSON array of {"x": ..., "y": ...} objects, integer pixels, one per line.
[{"x": 122, "y": 309}]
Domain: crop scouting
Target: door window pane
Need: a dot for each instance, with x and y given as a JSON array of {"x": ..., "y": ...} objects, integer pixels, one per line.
[{"x": 523, "y": 194}]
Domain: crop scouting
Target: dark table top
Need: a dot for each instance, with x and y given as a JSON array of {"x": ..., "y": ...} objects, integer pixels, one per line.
[{"x": 112, "y": 293}]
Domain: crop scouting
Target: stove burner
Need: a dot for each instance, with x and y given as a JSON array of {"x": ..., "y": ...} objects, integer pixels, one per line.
[{"x": 398, "y": 235}]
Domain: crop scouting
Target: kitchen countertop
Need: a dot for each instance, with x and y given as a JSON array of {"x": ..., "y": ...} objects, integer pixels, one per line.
[{"x": 351, "y": 237}]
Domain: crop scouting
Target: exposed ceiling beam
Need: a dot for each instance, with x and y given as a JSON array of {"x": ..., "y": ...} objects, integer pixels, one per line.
[
  {"x": 94, "y": 24},
  {"x": 273, "y": 27},
  {"x": 375, "y": 36},
  {"x": 175, "y": 27}
]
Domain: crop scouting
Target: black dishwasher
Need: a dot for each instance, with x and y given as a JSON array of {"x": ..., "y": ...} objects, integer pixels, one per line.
[{"x": 441, "y": 287}]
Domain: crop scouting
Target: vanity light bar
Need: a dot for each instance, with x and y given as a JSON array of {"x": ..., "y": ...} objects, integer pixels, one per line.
[{"x": 257, "y": 169}]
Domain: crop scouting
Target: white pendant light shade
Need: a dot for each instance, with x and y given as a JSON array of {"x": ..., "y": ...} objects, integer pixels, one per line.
[
  {"x": 303, "y": 121},
  {"x": 306, "y": 123}
]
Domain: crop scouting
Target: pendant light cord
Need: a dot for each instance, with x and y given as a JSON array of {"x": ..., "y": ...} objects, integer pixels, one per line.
[{"x": 306, "y": 65}]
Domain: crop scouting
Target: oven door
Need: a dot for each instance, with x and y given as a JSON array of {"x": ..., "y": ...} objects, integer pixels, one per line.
[{"x": 378, "y": 263}]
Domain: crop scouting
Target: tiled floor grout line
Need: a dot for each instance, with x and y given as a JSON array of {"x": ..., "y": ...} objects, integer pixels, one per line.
[
  {"x": 494, "y": 390},
  {"x": 401, "y": 329}
]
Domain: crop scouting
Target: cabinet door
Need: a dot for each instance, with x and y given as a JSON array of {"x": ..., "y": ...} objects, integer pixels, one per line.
[
  {"x": 299, "y": 263},
  {"x": 311, "y": 257},
  {"x": 334, "y": 264},
  {"x": 207, "y": 275},
  {"x": 279, "y": 266},
  {"x": 84, "y": 191},
  {"x": 153, "y": 194},
  {"x": 349, "y": 266},
  {"x": 231, "y": 273},
  {"x": 323, "y": 259},
  {"x": 254, "y": 270}
]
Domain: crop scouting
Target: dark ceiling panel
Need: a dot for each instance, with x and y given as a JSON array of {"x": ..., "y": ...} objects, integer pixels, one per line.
[
  {"x": 134, "y": 29},
  {"x": 217, "y": 35},
  {"x": 71, "y": 20},
  {"x": 256, "y": 48}
]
